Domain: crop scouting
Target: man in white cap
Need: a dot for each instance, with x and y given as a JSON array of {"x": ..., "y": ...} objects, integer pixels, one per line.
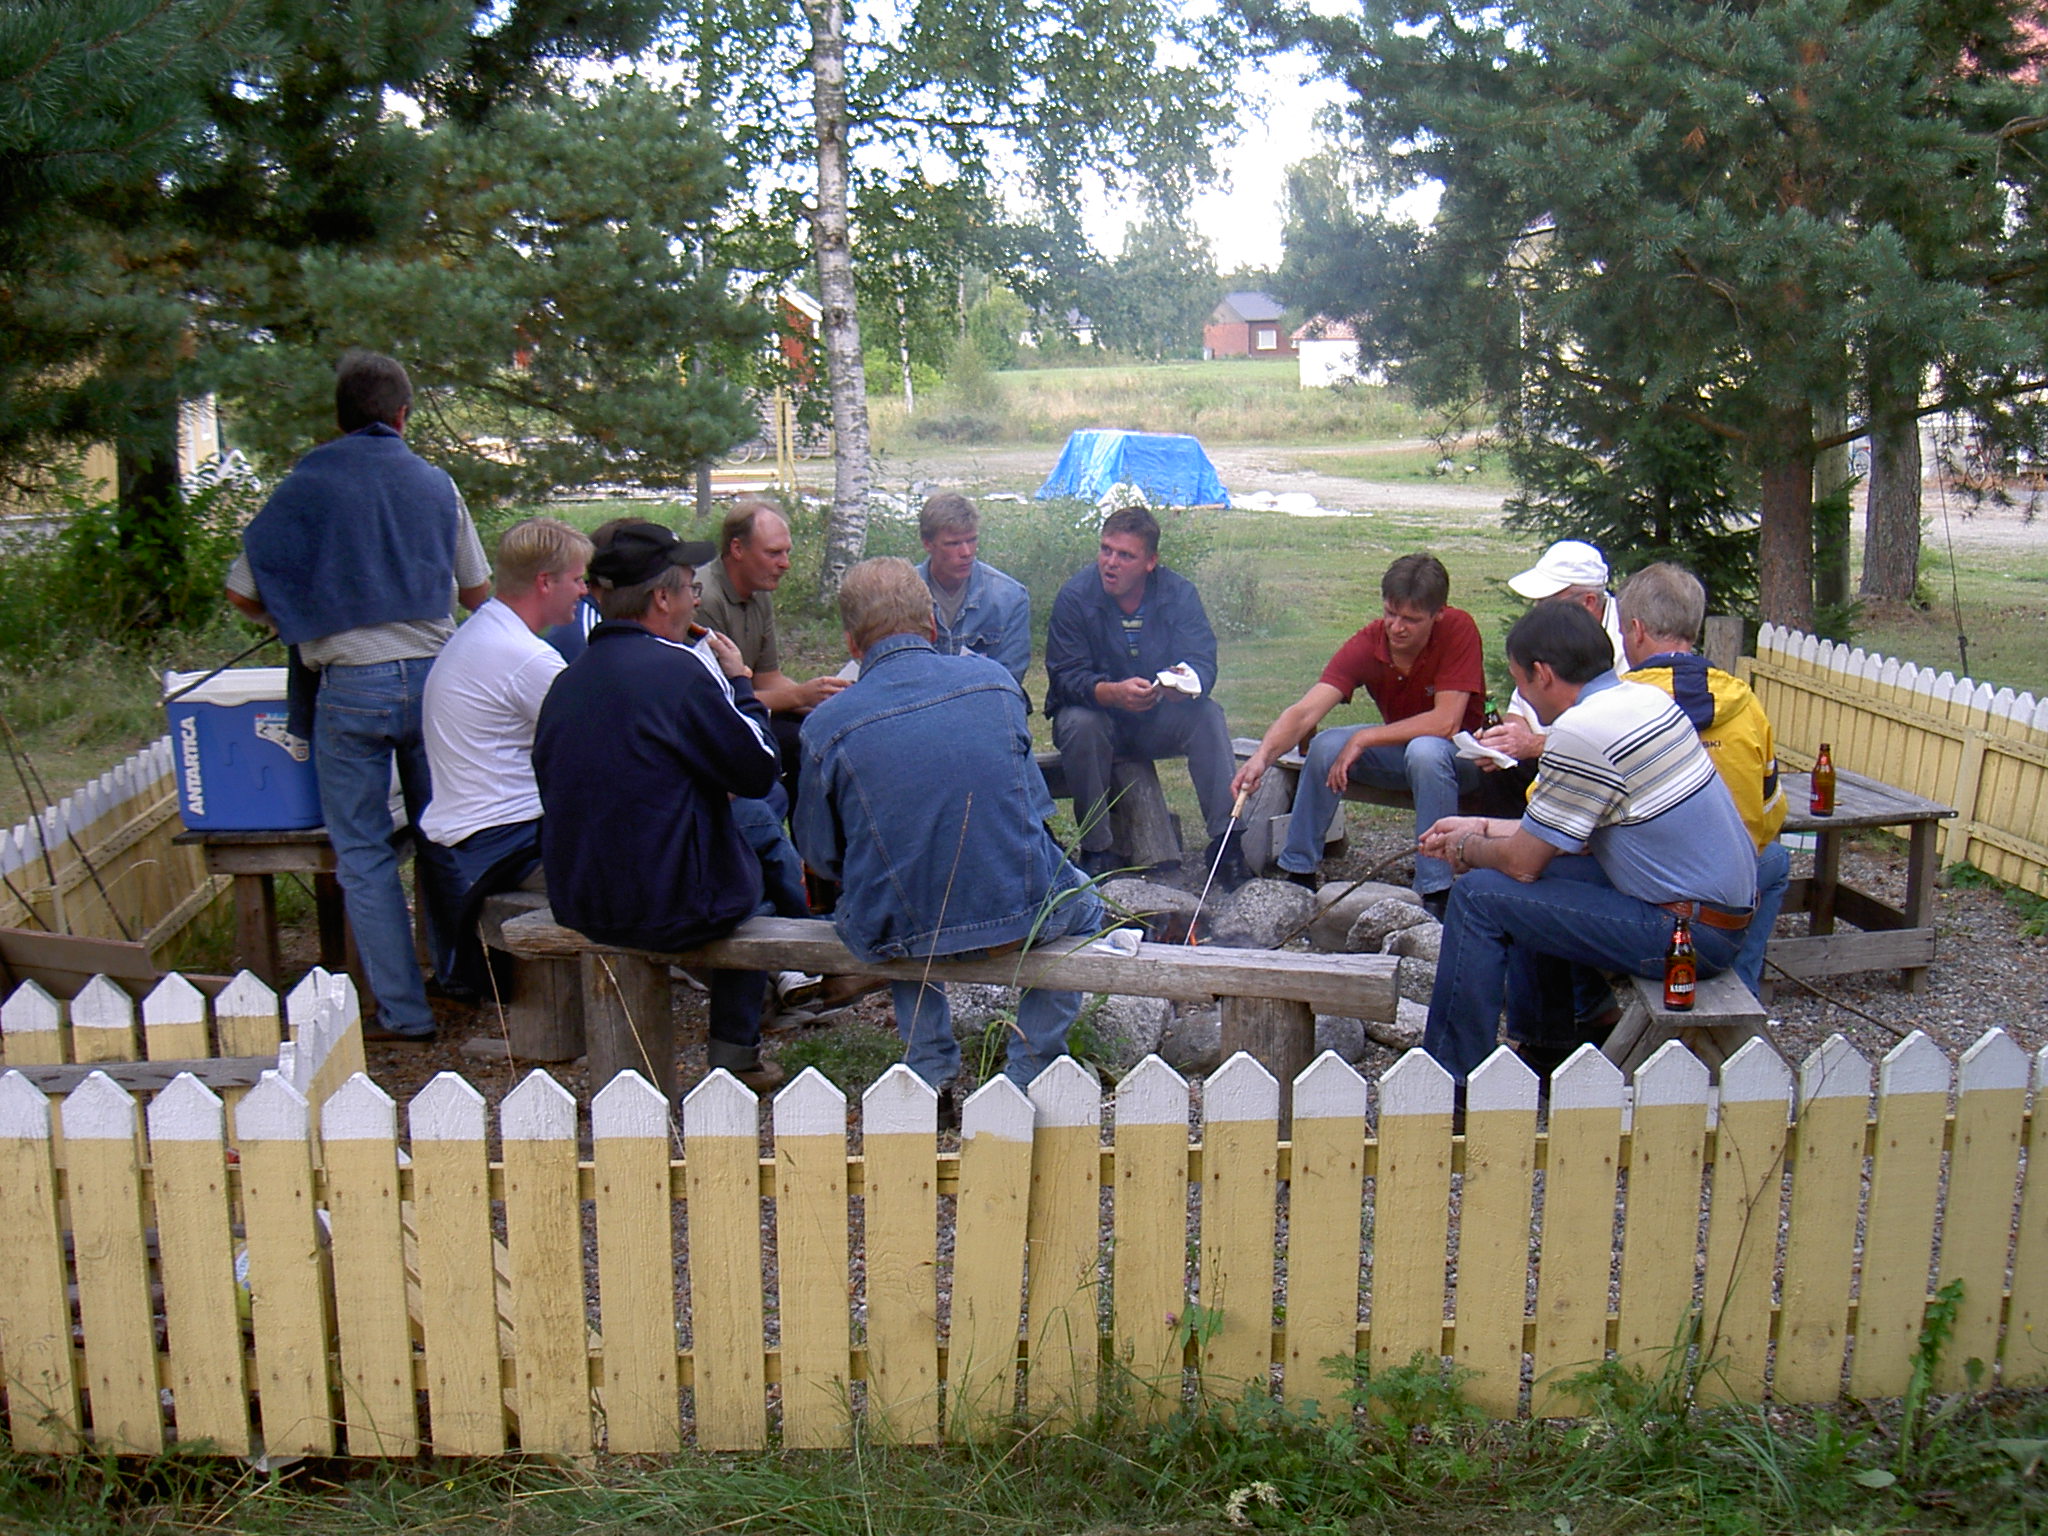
[{"x": 1570, "y": 571}]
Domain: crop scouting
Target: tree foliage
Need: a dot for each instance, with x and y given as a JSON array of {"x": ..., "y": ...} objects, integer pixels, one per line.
[{"x": 1152, "y": 299}]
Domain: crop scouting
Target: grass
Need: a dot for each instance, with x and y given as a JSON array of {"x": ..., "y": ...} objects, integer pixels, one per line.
[{"x": 1403, "y": 463}]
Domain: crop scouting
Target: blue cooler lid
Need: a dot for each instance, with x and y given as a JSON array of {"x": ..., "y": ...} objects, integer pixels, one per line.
[{"x": 237, "y": 685}]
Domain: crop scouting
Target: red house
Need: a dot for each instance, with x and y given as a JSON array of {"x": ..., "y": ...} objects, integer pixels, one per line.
[{"x": 1247, "y": 325}]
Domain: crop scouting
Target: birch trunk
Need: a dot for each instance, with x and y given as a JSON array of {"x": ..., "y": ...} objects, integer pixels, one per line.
[{"x": 846, "y": 531}]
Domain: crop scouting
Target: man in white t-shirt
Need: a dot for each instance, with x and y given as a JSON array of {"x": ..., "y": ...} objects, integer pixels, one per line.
[{"x": 482, "y": 700}]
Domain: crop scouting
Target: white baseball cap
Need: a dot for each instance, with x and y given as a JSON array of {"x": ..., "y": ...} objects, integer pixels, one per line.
[{"x": 1567, "y": 563}]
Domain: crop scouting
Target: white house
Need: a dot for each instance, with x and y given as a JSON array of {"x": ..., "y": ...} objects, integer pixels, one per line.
[{"x": 1328, "y": 350}]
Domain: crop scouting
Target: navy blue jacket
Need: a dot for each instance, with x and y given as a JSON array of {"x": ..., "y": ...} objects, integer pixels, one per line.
[
  {"x": 1084, "y": 643},
  {"x": 640, "y": 744}
]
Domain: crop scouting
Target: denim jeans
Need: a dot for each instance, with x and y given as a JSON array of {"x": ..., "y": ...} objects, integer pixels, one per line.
[
  {"x": 1514, "y": 943},
  {"x": 367, "y": 719},
  {"x": 1773, "y": 875},
  {"x": 782, "y": 872},
  {"x": 924, "y": 1017},
  {"x": 1428, "y": 767}
]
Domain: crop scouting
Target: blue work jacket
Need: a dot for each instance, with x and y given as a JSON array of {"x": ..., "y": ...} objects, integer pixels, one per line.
[{"x": 994, "y": 619}]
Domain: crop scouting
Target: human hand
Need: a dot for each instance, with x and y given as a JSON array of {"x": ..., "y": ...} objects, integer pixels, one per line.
[
  {"x": 1339, "y": 777},
  {"x": 1439, "y": 840},
  {"x": 1136, "y": 694},
  {"x": 727, "y": 655},
  {"x": 810, "y": 695},
  {"x": 1249, "y": 776},
  {"x": 1514, "y": 737}
]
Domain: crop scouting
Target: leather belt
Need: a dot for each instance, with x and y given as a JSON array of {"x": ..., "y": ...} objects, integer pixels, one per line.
[{"x": 1708, "y": 915}]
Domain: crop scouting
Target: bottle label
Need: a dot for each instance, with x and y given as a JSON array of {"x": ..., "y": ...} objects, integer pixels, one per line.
[{"x": 1679, "y": 985}]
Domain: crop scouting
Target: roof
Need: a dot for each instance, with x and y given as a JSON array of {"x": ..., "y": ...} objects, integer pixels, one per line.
[
  {"x": 1250, "y": 306},
  {"x": 1323, "y": 328}
]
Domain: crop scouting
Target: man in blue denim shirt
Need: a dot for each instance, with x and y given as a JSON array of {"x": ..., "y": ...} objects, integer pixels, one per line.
[
  {"x": 929, "y": 810},
  {"x": 976, "y": 609}
]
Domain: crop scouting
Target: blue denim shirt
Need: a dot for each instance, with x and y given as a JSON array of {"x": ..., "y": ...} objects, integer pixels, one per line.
[
  {"x": 994, "y": 619},
  {"x": 921, "y": 798}
]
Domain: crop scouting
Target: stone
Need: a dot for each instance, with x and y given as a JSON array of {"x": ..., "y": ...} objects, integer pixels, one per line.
[
  {"x": 1147, "y": 901},
  {"x": 1379, "y": 922},
  {"x": 1128, "y": 1029},
  {"x": 1341, "y": 903},
  {"x": 1261, "y": 914},
  {"x": 1344, "y": 1036},
  {"x": 975, "y": 1003},
  {"x": 1193, "y": 1042},
  {"x": 485, "y": 1047},
  {"x": 1404, "y": 1031},
  {"x": 1415, "y": 979},
  {"x": 1265, "y": 821},
  {"x": 1423, "y": 941}
]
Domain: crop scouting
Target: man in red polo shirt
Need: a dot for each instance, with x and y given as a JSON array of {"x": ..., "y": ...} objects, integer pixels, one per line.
[{"x": 1422, "y": 666}]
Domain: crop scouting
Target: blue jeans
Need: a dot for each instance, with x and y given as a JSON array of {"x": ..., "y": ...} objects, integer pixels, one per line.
[
  {"x": 1514, "y": 943},
  {"x": 782, "y": 872},
  {"x": 924, "y": 1017},
  {"x": 365, "y": 720},
  {"x": 1773, "y": 875},
  {"x": 1428, "y": 767}
]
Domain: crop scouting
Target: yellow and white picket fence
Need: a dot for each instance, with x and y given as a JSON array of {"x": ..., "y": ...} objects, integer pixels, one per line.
[
  {"x": 1981, "y": 749},
  {"x": 639, "y": 1301}
]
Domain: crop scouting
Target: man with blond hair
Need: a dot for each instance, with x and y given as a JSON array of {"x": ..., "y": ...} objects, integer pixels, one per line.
[
  {"x": 482, "y": 700},
  {"x": 922, "y": 798},
  {"x": 975, "y": 607}
]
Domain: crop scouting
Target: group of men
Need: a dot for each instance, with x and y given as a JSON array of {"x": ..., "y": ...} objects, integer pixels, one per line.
[{"x": 616, "y": 720}]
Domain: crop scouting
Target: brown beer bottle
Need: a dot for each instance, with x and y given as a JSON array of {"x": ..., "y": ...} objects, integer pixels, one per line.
[
  {"x": 1681, "y": 969},
  {"x": 1823, "y": 802},
  {"x": 1492, "y": 717}
]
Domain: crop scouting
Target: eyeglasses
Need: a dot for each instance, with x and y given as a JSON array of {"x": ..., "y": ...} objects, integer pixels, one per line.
[{"x": 696, "y": 589}]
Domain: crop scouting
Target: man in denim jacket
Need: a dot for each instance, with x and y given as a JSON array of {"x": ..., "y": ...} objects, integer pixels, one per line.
[
  {"x": 976, "y": 609},
  {"x": 922, "y": 799}
]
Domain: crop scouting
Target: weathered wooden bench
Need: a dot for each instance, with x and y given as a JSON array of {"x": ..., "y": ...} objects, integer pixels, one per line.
[
  {"x": 1724, "y": 1016},
  {"x": 1270, "y": 997}
]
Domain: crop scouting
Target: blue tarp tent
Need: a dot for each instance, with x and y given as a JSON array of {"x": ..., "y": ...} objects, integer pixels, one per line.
[{"x": 1170, "y": 467}]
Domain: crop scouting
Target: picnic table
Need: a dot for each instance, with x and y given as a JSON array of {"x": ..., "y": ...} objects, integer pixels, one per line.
[{"x": 254, "y": 860}]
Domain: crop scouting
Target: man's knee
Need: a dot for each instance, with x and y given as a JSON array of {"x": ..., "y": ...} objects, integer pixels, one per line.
[
  {"x": 1080, "y": 729},
  {"x": 1430, "y": 757}
]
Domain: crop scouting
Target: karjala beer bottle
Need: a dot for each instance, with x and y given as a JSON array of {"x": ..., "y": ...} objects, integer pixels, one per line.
[
  {"x": 1823, "y": 801},
  {"x": 1681, "y": 969}
]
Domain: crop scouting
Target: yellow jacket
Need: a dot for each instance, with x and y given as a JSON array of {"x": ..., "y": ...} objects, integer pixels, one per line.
[{"x": 1733, "y": 728}]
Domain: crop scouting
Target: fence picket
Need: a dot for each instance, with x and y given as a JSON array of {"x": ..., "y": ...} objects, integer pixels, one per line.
[
  {"x": 1061, "y": 1236},
  {"x": 1411, "y": 1211},
  {"x": 1325, "y": 1194},
  {"x": 629, "y": 1125},
  {"x": 103, "y": 1177},
  {"x": 1742, "y": 1222},
  {"x": 286, "y": 1290},
  {"x": 245, "y": 1017},
  {"x": 196, "y": 1257},
  {"x": 103, "y": 1023},
  {"x": 1578, "y": 1226},
  {"x": 899, "y": 1120},
  {"x": 1660, "y": 1248},
  {"x": 31, "y": 1027},
  {"x": 1151, "y": 1233},
  {"x": 811, "y": 1261},
  {"x": 35, "y": 1313},
  {"x": 1820, "y": 1239},
  {"x": 2025, "y": 1362},
  {"x": 451, "y": 1233},
  {"x": 1898, "y": 1243},
  {"x": 1240, "y": 1151},
  {"x": 1493, "y": 1270},
  {"x": 174, "y": 1021},
  {"x": 359, "y": 1145},
  {"x": 544, "y": 1236},
  {"x": 722, "y": 1173},
  {"x": 988, "y": 1256},
  {"x": 1977, "y": 1232}
]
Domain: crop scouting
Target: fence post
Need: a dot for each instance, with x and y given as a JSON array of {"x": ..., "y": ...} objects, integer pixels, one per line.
[
  {"x": 286, "y": 1287},
  {"x": 1411, "y": 1211},
  {"x": 722, "y": 1171},
  {"x": 811, "y": 1255},
  {"x": 629, "y": 1124},
  {"x": 104, "y": 1182},
  {"x": 544, "y": 1236},
  {"x": 1977, "y": 1230},
  {"x": 1820, "y": 1243},
  {"x": 988, "y": 1257},
  {"x": 1325, "y": 1195},
  {"x": 35, "y": 1313},
  {"x": 1578, "y": 1227},
  {"x": 451, "y": 1231},
  {"x": 174, "y": 1021},
  {"x": 1063, "y": 1237},
  {"x": 1240, "y": 1155},
  {"x": 899, "y": 1121},
  {"x": 1742, "y": 1226},
  {"x": 31, "y": 1027},
  {"x": 1493, "y": 1275},
  {"x": 2025, "y": 1361},
  {"x": 359, "y": 1145},
  {"x": 1912, "y": 1106},
  {"x": 1660, "y": 1243}
]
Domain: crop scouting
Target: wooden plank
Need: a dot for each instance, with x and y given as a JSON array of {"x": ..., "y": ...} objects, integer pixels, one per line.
[
  {"x": 1061, "y": 1237},
  {"x": 458, "y": 1283},
  {"x": 64, "y": 962},
  {"x": 628, "y": 1018},
  {"x": 150, "y": 1077},
  {"x": 1660, "y": 1242},
  {"x": 245, "y": 1018},
  {"x": 1240, "y": 1110},
  {"x": 174, "y": 1021},
  {"x": 103, "y": 1024},
  {"x": 1843, "y": 954},
  {"x": 544, "y": 1238},
  {"x": 1356, "y": 986},
  {"x": 1411, "y": 1212},
  {"x": 630, "y": 1130},
  {"x": 2025, "y": 1362},
  {"x": 1151, "y": 1234},
  {"x": 1977, "y": 1229},
  {"x": 1279, "y": 1034},
  {"x": 1742, "y": 1223},
  {"x": 1578, "y": 1228},
  {"x": 1860, "y": 801},
  {"x": 1493, "y": 1271},
  {"x": 722, "y": 1173},
  {"x": 36, "y": 1362},
  {"x": 196, "y": 1258},
  {"x": 359, "y": 1147},
  {"x": 988, "y": 1258},
  {"x": 104, "y": 1185},
  {"x": 1898, "y": 1241},
  {"x": 899, "y": 1121},
  {"x": 32, "y": 1030},
  {"x": 286, "y": 1287},
  {"x": 811, "y": 1263},
  {"x": 1325, "y": 1193},
  {"x": 1820, "y": 1242}
]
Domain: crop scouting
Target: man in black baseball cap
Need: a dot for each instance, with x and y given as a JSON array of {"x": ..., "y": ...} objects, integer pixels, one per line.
[{"x": 641, "y": 744}]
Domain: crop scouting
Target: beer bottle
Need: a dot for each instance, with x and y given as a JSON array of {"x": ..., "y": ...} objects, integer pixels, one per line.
[
  {"x": 1823, "y": 802},
  {"x": 1681, "y": 969},
  {"x": 1492, "y": 715}
]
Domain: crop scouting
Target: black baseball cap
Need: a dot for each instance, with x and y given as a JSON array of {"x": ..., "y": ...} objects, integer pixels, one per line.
[{"x": 638, "y": 552}]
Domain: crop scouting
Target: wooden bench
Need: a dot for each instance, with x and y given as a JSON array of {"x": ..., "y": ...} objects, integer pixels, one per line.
[
  {"x": 1270, "y": 997},
  {"x": 1723, "y": 1017}
]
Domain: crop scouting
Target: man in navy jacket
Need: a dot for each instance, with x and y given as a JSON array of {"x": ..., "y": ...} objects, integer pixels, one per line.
[{"x": 641, "y": 745}]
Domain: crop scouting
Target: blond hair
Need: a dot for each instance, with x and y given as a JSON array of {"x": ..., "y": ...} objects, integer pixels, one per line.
[
  {"x": 536, "y": 547},
  {"x": 883, "y": 597}
]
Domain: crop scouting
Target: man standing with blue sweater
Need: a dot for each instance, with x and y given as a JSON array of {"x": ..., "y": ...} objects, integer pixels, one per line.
[{"x": 357, "y": 560}]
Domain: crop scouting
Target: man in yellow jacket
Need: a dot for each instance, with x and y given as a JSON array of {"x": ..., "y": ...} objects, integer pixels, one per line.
[{"x": 1661, "y": 609}]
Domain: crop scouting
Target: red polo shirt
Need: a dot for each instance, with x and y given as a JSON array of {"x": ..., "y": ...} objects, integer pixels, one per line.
[{"x": 1450, "y": 660}]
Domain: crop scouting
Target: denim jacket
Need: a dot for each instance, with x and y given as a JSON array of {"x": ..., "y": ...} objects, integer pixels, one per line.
[
  {"x": 994, "y": 619},
  {"x": 921, "y": 797}
]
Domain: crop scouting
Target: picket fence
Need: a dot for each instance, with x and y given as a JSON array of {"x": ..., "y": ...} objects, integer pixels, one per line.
[
  {"x": 100, "y": 862},
  {"x": 590, "y": 1289},
  {"x": 1981, "y": 749}
]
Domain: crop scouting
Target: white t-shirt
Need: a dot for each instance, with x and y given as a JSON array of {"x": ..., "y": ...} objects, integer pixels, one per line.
[
  {"x": 1610, "y": 620},
  {"x": 482, "y": 700}
]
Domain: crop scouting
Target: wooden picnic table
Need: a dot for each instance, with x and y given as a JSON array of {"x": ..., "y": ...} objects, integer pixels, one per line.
[{"x": 254, "y": 860}]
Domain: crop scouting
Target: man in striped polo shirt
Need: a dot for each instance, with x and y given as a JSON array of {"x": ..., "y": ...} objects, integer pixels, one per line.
[{"x": 1627, "y": 828}]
